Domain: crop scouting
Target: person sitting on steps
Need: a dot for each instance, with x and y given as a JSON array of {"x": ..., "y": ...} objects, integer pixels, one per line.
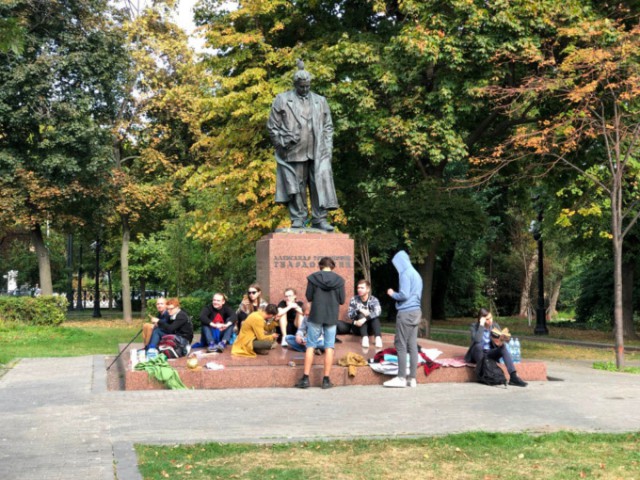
[
  {"x": 217, "y": 321},
  {"x": 252, "y": 338},
  {"x": 364, "y": 311},
  {"x": 482, "y": 343},
  {"x": 289, "y": 315}
]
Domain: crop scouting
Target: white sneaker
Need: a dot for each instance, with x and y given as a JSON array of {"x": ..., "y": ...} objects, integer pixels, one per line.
[
  {"x": 411, "y": 382},
  {"x": 396, "y": 382},
  {"x": 365, "y": 342},
  {"x": 378, "y": 342},
  {"x": 284, "y": 342}
]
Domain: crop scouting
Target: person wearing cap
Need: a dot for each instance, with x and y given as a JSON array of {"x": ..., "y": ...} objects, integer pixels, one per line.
[{"x": 484, "y": 343}]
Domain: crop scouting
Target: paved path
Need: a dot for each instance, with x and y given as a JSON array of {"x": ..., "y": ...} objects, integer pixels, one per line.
[{"x": 58, "y": 421}]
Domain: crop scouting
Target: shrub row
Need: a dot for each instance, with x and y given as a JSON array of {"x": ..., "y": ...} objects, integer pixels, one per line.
[{"x": 44, "y": 310}]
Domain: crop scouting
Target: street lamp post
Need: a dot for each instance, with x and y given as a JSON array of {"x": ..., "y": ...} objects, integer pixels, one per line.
[
  {"x": 96, "y": 293},
  {"x": 79, "y": 302},
  {"x": 70, "y": 271},
  {"x": 541, "y": 317}
]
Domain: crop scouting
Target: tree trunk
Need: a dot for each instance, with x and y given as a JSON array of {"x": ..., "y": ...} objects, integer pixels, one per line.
[
  {"x": 44, "y": 263},
  {"x": 616, "y": 230},
  {"x": 363, "y": 259},
  {"x": 441, "y": 284},
  {"x": 110, "y": 285},
  {"x": 525, "y": 295},
  {"x": 124, "y": 269},
  {"x": 143, "y": 296},
  {"x": 426, "y": 272},
  {"x": 628, "y": 272},
  {"x": 553, "y": 300}
]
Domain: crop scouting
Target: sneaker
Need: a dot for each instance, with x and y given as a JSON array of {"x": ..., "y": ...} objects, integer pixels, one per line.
[
  {"x": 303, "y": 383},
  {"x": 396, "y": 382},
  {"x": 378, "y": 342},
  {"x": 365, "y": 342},
  {"x": 411, "y": 382},
  {"x": 516, "y": 381},
  {"x": 219, "y": 347},
  {"x": 326, "y": 383},
  {"x": 211, "y": 348},
  {"x": 284, "y": 343}
]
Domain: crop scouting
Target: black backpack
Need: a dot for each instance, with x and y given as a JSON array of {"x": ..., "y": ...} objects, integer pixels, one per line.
[{"x": 489, "y": 373}]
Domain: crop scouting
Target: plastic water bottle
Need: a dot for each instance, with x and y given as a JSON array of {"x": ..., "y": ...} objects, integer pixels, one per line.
[
  {"x": 134, "y": 359},
  {"x": 517, "y": 355},
  {"x": 152, "y": 353}
]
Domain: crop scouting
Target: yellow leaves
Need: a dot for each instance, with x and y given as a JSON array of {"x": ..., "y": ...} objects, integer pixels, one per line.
[{"x": 579, "y": 93}]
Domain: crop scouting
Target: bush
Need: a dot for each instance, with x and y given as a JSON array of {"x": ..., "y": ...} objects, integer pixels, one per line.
[
  {"x": 191, "y": 305},
  {"x": 45, "y": 310}
]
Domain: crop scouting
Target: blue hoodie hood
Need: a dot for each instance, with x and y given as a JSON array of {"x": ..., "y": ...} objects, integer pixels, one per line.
[{"x": 409, "y": 294}]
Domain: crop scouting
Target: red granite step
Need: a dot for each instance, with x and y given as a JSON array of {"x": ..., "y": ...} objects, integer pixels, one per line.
[{"x": 283, "y": 367}]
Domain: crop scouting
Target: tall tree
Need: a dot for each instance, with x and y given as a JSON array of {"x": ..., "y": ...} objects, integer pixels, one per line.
[
  {"x": 53, "y": 105},
  {"x": 591, "y": 106},
  {"x": 151, "y": 138},
  {"x": 403, "y": 82}
]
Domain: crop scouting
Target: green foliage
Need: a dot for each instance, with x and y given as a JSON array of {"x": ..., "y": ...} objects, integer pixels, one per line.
[
  {"x": 594, "y": 306},
  {"x": 54, "y": 149},
  {"x": 611, "y": 367},
  {"x": 44, "y": 310}
]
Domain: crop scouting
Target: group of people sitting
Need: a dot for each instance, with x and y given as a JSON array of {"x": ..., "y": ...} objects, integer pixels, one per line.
[{"x": 255, "y": 326}]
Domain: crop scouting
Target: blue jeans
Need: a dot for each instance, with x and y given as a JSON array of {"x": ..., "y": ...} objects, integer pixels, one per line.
[
  {"x": 156, "y": 335},
  {"x": 293, "y": 345},
  {"x": 214, "y": 335},
  {"x": 314, "y": 330}
]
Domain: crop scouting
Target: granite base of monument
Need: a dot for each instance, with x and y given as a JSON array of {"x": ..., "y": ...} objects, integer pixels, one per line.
[{"x": 285, "y": 259}]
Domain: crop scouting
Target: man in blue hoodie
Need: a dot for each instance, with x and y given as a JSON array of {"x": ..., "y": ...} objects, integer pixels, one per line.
[{"x": 408, "y": 300}]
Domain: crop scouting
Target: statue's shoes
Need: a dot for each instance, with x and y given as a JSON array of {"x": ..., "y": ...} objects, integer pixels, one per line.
[
  {"x": 297, "y": 224},
  {"x": 324, "y": 225}
]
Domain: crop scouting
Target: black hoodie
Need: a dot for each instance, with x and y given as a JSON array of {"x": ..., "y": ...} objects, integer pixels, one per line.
[{"x": 325, "y": 291}]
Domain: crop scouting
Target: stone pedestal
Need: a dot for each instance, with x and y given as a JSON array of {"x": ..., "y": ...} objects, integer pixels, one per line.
[{"x": 285, "y": 260}]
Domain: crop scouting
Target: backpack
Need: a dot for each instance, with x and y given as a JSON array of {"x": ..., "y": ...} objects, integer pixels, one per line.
[
  {"x": 173, "y": 346},
  {"x": 489, "y": 373}
]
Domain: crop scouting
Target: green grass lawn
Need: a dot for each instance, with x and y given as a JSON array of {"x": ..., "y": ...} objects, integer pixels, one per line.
[
  {"x": 79, "y": 337},
  {"x": 485, "y": 456}
]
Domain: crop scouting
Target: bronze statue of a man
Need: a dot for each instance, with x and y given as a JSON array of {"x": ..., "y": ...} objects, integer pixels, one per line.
[{"x": 301, "y": 131}]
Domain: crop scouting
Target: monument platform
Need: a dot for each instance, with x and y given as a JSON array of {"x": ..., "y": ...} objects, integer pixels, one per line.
[{"x": 282, "y": 367}]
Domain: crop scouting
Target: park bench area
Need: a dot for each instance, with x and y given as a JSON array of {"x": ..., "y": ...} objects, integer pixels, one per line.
[{"x": 283, "y": 367}]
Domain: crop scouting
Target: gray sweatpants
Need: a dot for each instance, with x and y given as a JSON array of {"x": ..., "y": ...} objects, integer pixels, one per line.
[{"x": 407, "y": 324}]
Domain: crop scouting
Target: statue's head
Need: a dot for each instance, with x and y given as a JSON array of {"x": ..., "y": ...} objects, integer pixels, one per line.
[{"x": 302, "y": 80}]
